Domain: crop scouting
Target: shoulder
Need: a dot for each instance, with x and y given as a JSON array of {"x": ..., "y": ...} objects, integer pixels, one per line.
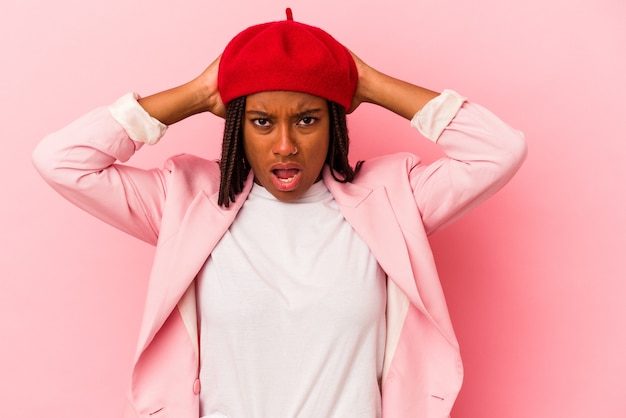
[
  {"x": 193, "y": 172},
  {"x": 187, "y": 161},
  {"x": 387, "y": 168}
]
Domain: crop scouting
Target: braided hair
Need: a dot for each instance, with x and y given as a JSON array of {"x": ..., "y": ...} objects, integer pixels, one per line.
[{"x": 234, "y": 166}]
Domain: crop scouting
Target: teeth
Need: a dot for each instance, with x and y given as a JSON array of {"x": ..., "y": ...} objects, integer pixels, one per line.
[{"x": 286, "y": 180}]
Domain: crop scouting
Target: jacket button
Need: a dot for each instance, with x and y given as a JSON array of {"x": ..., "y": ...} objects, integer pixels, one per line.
[{"x": 196, "y": 387}]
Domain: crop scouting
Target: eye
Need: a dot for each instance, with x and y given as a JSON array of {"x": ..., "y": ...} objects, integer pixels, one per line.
[
  {"x": 307, "y": 121},
  {"x": 262, "y": 122}
]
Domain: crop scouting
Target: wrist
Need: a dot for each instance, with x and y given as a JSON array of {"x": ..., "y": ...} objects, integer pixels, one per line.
[
  {"x": 366, "y": 90},
  {"x": 200, "y": 96},
  {"x": 398, "y": 96}
]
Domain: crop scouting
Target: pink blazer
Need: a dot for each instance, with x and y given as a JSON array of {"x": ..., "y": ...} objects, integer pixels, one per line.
[{"x": 393, "y": 204}]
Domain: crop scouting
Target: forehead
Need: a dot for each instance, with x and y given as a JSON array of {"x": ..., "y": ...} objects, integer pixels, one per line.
[{"x": 284, "y": 101}]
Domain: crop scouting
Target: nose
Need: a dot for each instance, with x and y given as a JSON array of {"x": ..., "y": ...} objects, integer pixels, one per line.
[{"x": 285, "y": 144}]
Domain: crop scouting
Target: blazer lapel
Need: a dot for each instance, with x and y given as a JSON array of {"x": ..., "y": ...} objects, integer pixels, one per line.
[
  {"x": 371, "y": 214},
  {"x": 180, "y": 257}
]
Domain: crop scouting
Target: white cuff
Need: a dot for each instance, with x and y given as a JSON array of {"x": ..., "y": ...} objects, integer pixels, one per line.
[
  {"x": 433, "y": 118},
  {"x": 138, "y": 123}
]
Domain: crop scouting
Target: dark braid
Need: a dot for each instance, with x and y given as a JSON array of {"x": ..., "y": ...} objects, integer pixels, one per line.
[
  {"x": 339, "y": 144},
  {"x": 234, "y": 167}
]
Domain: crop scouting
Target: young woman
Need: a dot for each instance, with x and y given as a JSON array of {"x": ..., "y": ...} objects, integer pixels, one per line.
[{"x": 286, "y": 282}]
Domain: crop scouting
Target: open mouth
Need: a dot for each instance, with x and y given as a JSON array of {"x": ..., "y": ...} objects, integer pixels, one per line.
[
  {"x": 286, "y": 174},
  {"x": 286, "y": 179}
]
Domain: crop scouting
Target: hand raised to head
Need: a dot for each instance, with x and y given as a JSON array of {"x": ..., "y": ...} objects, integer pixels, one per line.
[{"x": 207, "y": 86}]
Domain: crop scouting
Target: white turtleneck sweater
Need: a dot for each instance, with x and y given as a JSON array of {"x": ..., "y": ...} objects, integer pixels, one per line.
[{"x": 292, "y": 314}]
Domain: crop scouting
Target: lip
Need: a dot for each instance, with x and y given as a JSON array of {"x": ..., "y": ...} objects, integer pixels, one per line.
[
  {"x": 288, "y": 184},
  {"x": 285, "y": 166}
]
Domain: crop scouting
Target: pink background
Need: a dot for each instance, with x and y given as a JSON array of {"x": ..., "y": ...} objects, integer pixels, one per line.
[{"x": 534, "y": 277}]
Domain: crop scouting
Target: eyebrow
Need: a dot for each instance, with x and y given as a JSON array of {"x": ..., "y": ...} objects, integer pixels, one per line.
[{"x": 302, "y": 114}]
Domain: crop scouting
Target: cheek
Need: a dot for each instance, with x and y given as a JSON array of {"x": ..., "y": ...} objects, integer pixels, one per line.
[
  {"x": 321, "y": 150},
  {"x": 251, "y": 149}
]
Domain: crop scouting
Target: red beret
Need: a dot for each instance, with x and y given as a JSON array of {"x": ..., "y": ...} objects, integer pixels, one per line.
[{"x": 287, "y": 55}]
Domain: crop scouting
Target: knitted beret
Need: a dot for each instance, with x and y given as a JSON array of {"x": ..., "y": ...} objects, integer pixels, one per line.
[{"x": 287, "y": 55}]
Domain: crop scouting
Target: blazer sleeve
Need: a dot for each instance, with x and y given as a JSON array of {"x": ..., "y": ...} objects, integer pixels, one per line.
[
  {"x": 81, "y": 162},
  {"x": 482, "y": 155}
]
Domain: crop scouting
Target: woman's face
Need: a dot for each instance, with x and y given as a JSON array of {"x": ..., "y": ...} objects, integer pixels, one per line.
[{"x": 285, "y": 139}]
